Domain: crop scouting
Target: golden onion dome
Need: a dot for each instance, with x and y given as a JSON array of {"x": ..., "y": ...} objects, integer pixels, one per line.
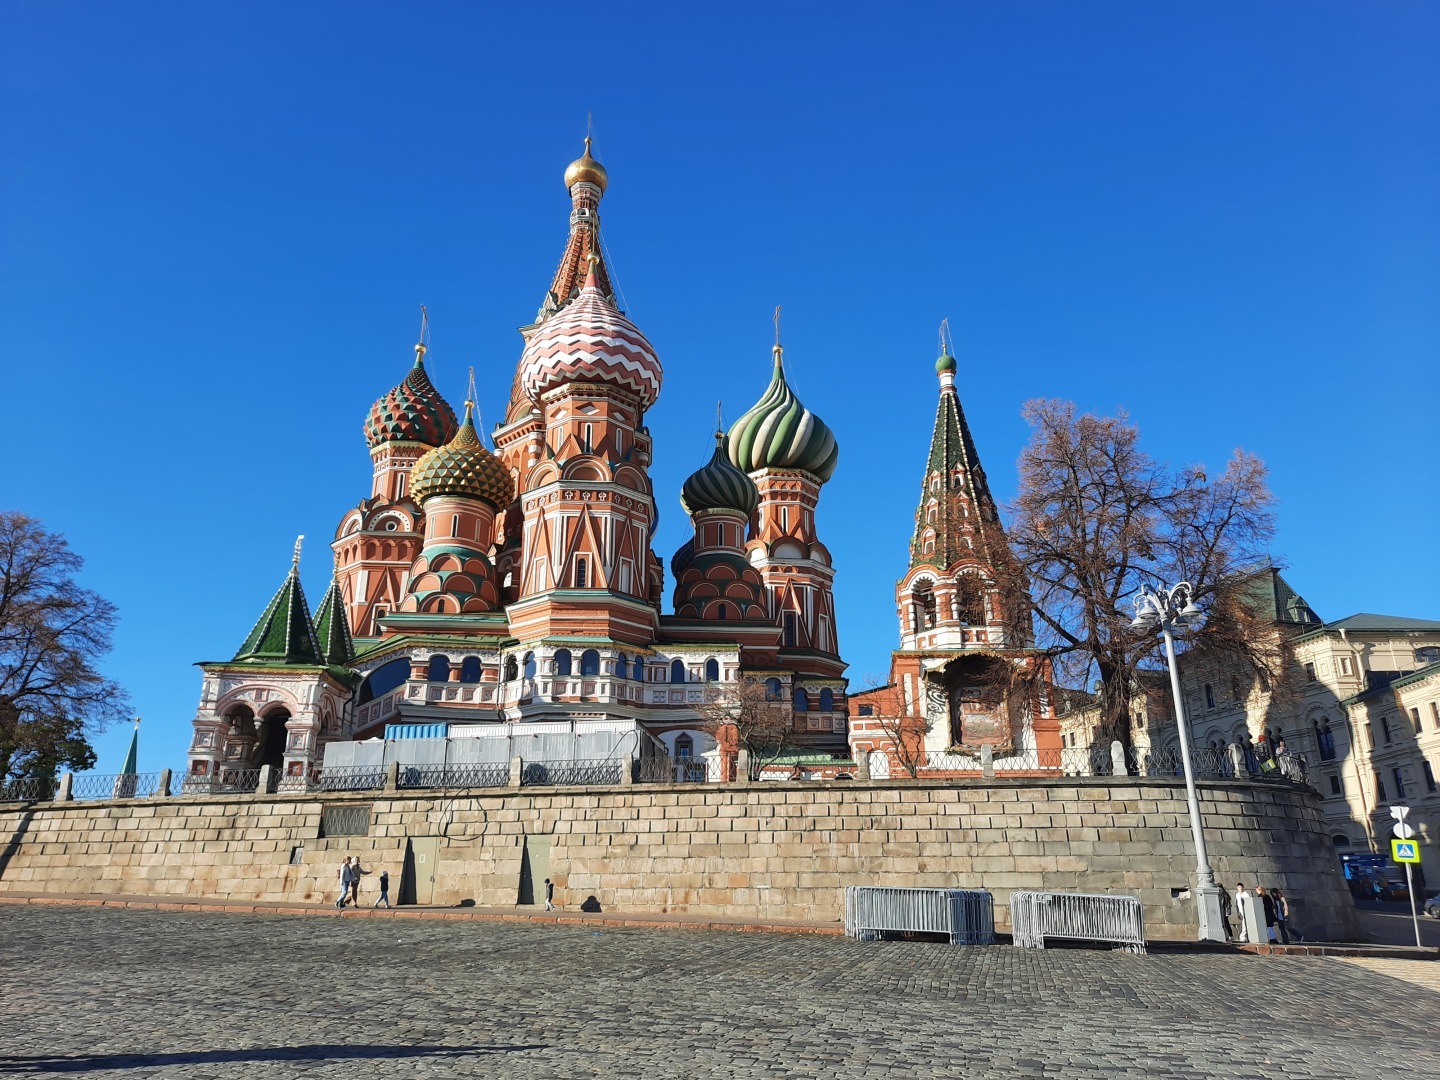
[
  {"x": 462, "y": 467},
  {"x": 585, "y": 168}
]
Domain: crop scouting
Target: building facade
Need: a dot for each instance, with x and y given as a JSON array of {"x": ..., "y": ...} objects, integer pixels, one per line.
[{"x": 476, "y": 587}]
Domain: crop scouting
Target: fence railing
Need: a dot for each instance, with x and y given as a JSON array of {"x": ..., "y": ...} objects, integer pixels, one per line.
[
  {"x": 28, "y": 789},
  {"x": 462, "y": 775},
  {"x": 1117, "y": 920},
  {"x": 223, "y": 782},
  {"x": 116, "y": 786},
  {"x": 1207, "y": 762},
  {"x": 682, "y": 770},
  {"x": 573, "y": 773},
  {"x": 351, "y": 778}
]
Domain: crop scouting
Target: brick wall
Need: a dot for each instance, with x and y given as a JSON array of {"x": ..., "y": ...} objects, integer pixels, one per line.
[{"x": 772, "y": 850}]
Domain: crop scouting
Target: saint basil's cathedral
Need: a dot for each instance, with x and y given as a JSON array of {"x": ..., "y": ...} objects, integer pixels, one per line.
[{"x": 476, "y": 591}]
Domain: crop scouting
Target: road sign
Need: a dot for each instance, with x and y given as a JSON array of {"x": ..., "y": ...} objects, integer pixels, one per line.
[
  {"x": 1399, "y": 813},
  {"x": 1404, "y": 851},
  {"x": 1403, "y": 831}
]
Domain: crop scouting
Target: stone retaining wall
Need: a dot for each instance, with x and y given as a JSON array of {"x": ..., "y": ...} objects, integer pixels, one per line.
[{"x": 764, "y": 851}]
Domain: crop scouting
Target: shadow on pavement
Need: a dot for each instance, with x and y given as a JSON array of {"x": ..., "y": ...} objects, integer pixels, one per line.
[{"x": 77, "y": 1063}]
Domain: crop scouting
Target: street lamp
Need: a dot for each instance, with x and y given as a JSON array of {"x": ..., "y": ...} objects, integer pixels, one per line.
[{"x": 1172, "y": 609}]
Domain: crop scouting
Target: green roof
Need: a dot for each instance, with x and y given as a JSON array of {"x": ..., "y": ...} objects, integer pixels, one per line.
[
  {"x": 952, "y": 448},
  {"x": 332, "y": 628},
  {"x": 1367, "y": 621},
  {"x": 284, "y": 634}
]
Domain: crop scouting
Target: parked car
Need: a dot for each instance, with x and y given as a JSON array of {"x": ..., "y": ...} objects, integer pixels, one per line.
[{"x": 1432, "y": 907}]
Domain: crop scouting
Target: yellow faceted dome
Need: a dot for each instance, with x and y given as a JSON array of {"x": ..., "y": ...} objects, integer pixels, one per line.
[
  {"x": 462, "y": 467},
  {"x": 586, "y": 168}
]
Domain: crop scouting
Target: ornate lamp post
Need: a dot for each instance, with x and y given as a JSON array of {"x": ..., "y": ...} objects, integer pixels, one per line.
[{"x": 1170, "y": 610}]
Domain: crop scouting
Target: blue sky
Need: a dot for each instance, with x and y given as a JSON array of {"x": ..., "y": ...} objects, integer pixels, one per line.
[{"x": 217, "y": 222}]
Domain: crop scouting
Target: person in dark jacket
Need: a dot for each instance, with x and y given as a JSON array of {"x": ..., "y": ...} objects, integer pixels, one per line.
[
  {"x": 1226, "y": 908},
  {"x": 1268, "y": 902}
]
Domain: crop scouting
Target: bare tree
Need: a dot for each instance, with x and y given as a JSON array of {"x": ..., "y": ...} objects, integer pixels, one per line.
[
  {"x": 757, "y": 712},
  {"x": 1096, "y": 517},
  {"x": 52, "y": 632},
  {"x": 904, "y": 729}
]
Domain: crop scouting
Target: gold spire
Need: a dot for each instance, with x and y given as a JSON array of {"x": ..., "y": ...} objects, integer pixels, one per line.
[
  {"x": 586, "y": 169},
  {"x": 424, "y": 334}
]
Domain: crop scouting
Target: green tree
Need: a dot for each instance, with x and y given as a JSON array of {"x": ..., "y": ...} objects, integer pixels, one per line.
[{"x": 52, "y": 633}]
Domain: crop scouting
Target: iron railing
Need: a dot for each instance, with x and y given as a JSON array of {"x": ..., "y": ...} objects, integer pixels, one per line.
[
  {"x": 351, "y": 778},
  {"x": 682, "y": 770},
  {"x": 1118, "y": 920},
  {"x": 221, "y": 782},
  {"x": 28, "y": 788},
  {"x": 114, "y": 786},
  {"x": 456, "y": 775},
  {"x": 344, "y": 820},
  {"x": 585, "y": 771}
]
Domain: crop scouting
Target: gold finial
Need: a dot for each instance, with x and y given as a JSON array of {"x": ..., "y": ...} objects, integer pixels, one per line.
[
  {"x": 777, "y": 350},
  {"x": 295, "y": 559},
  {"x": 719, "y": 423},
  {"x": 586, "y": 169},
  {"x": 593, "y": 259},
  {"x": 420, "y": 349}
]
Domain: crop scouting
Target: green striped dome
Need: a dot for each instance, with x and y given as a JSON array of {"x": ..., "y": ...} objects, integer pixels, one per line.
[
  {"x": 719, "y": 485},
  {"x": 780, "y": 433}
]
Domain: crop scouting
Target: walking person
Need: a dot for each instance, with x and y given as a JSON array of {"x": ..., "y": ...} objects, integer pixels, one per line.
[
  {"x": 1240, "y": 897},
  {"x": 384, "y": 889},
  {"x": 1268, "y": 902},
  {"x": 346, "y": 877},
  {"x": 549, "y": 895},
  {"x": 1282, "y": 915},
  {"x": 355, "y": 873},
  {"x": 1226, "y": 908}
]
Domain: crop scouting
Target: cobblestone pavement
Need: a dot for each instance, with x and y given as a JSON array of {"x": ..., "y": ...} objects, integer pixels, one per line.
[
  {"x": 1419, "y": 974},
  {"x": 115, "y": 993}
]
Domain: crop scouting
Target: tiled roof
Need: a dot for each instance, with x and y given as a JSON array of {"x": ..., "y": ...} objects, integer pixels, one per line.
[
  {"x": 1368, "y": 621},
  {"x": 284, "y": 634},
  {"x": 332, "y": 628}
]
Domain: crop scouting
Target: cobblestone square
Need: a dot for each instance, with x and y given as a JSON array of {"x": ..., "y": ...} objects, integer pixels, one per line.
[{"x": 114, "y": 993}]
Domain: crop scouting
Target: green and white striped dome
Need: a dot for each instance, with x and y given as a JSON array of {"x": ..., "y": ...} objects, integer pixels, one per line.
[
  {"x": 719, "y": 485},
  {"x": 780, "y": 433}
]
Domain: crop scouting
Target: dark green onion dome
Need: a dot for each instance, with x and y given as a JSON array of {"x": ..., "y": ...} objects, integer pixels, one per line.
[
  {"x": 412, "y": 412},
  {"x": 462, "y": 467},
  {"x": 944, "y": 364},
  {"x": 719, "y": 485},
  {"x": 780, "y": 433}
]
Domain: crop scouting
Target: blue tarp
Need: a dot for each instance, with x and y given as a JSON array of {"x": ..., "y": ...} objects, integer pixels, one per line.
[{"x": 416, "y": 731}]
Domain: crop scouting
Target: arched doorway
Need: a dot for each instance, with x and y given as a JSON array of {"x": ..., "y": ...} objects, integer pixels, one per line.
[{"x": 270, "y": 749}]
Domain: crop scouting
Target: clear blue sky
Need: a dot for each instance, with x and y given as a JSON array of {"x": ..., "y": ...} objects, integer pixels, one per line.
[{"x": 217, "y": 221}]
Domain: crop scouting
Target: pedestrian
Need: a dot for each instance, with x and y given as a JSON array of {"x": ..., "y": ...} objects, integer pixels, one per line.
[
  {"x": 355, "y": 873},
  {"x": 346, "y": 876},
  {"x": 1225, "y": 910},
  {"x": 1240, "y": 897},
  {"x": 1268, "y": 902},
  {"x": 1282, "y": 915},
  {"x": 549, "y": 895},
  {"x": 384, "y": 889}
]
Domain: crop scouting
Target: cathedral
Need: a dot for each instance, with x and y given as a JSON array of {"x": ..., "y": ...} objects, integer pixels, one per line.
[{"x": 515, "y": 589}]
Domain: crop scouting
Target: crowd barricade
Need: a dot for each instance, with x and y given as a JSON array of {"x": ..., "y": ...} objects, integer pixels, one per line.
[
  {"x": 1118, "y": 920},
  {"x": 965, "y": 916}
]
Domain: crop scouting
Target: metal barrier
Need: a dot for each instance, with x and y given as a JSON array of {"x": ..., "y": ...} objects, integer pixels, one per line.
[
  {"x": 28, "y": 788},
  {"x": 1119, "y": 920},
  {"x": 965, "y": 916},
  {"x": 571, "y": 773},
  {"x": 464, "y": 775},
  {"x": 667, "y": 770}
]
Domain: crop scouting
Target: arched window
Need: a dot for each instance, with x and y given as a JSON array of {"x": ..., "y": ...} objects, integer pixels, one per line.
[
  {"x": 712, "y": 670},
  {"x": 772, "y": 689},
  {"x": 470, "y": 669},
  {"x": 439, "y": 669},
  {"x": 924, "y": 601},
  {"x": 562, "y": 661},
  {"x": 802, "y": 700},
  {"x": 677, "y": 671},
  {"x": 529, "y": 665},
  {"x": 590, "y": 662},
  {"x": 1209, "y": 696},
  {"x": 621, "y": 662},
  {"x": 790, "y": 634},
  {"x": 722, "y": 612},
  {"x": 1428, "y": 654},
  {"x": 684, "y": 747},
  {"x": 970, "y": 600},
  {"x": 512, "y": 669},
  {"x": 582, "y": 574},
  {"x": 827, "y": 700},
  {"x": 1339, "y": 839},
  {"x": 1325, "y": 740}
]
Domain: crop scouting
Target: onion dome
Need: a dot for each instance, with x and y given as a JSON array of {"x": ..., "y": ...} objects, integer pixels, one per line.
[
  {"x": 412, "y": 412},
  {"x": 780, "y": 433},
  {"x": 586, "y": 169},
  {"x": 946, "y": 364},
  {"x": 462, "y": 467},
  {"x": 590, "y": 341},
  {"x": 719, "y": 485}
]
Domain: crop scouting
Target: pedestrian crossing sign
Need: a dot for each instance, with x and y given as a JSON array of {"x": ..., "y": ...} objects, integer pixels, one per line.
[{"x": 1403, "y": 851}]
